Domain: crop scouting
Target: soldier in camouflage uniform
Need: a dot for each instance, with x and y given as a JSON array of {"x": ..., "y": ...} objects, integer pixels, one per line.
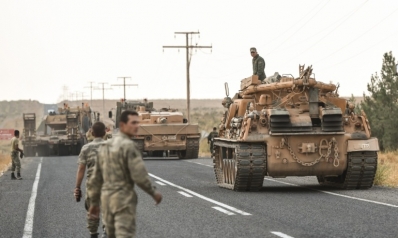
[
  {"x": 16, "y": 163},
  {"x": 89, "y": 135},
  {"x": 258, "y": 64},
  {"x": 87, "y": 158},
  {"x": 118, "y": 168},
  {"x": 210, "y": 137}
]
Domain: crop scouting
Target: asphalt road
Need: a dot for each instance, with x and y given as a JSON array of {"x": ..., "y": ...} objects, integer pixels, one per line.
[{"x": 194, "y": 206}]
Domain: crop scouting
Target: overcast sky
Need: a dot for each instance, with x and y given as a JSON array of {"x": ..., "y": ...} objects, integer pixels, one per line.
[{"x": 45, "y": 45}]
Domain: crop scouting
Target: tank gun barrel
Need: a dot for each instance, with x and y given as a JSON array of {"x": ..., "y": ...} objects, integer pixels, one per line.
[{"x": 289, "y": 84}]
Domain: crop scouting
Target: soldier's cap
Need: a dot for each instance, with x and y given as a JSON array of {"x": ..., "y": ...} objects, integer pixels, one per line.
[{"x": 253, "y": 49}]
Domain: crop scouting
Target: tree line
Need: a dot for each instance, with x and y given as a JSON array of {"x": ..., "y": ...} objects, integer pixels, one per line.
[{"x": 381, "y": 104}]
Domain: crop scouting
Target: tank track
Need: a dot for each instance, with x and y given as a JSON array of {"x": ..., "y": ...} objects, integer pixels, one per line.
[
  {"x": 360, "y": 173},
  {"x": 192, "y": 151},
  {"x": 245, "y": 171}
]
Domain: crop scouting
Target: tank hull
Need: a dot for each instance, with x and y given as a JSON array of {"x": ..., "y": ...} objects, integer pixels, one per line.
[{"x": 173, "y": 139}]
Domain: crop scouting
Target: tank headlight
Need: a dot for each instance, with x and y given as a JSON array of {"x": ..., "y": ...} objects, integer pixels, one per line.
[
  {"x": 148, "y": 138},
  {"x": 182, "y": 137}
]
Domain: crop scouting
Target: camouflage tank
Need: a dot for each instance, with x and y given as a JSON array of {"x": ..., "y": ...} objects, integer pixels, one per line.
[
  {"x": 62, "y": 133},
  {"x": 29, "y": 135},
  {"x": 286, "y": 126},
  {"x": 162, "y": 132}
]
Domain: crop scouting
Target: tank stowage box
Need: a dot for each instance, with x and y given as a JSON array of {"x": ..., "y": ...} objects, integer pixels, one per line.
[
  {"x": 162, "y": 132},
  {"x": 286, "y": 126}
]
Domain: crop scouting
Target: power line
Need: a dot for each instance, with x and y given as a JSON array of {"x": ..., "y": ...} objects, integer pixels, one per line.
[
  {"x": 91, "y": 93},
  {"x": 348, "y": 16},
  {"x": 286, "y": 39},
  {"x": 103, "y": 95},
  {"x": 124, "y": 85},
  {"x": 357, "y": 37},
  {"x": 367, "y": 48},
  {"x": 188, "y": 59}
]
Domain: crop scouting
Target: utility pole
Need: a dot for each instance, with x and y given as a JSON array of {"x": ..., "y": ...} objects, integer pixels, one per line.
[
  {"x": 82, "y": 97},
  {"x": 103, "y": 96},
  {"x": 76, "y": 95},
  {"x": 124, "y": 85},
  {"x": 188, "y": 56},
  {"x": 91, "y": 93}
]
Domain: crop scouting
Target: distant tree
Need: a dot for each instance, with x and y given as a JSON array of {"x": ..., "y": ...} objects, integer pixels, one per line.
[{"x": 381, "y": 106}]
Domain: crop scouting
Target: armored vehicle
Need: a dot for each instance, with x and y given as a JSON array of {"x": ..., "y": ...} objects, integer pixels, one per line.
[
  {"x": 29, "y": 141},
  {"x": 162, "y": 132},
  {"x": 62, "y": 132},
  {"x": 286, "y": 126}
]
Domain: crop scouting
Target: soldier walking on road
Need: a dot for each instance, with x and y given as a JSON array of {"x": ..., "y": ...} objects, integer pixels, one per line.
[
  {"x": 16, "y": 163},
  {"x": 119, "y": 166},
  {"x": 258, "y": 64},
  {"x": 210, "y": 138},
  {"x": 87, "y": 158}
]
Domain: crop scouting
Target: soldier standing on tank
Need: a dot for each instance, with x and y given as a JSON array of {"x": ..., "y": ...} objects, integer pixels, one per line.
[
  {"x": 16, "y": 163},
  {"x": 118, "y": 168},
  {"x": 210, "y": 138},
  {"x": 87, "y": 158},
  {"x": 89, "y": 135},
  {"x": 258, "y": 64}
]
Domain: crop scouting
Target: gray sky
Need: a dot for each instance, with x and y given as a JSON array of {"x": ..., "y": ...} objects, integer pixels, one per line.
[{"x": 47, "y": 44}]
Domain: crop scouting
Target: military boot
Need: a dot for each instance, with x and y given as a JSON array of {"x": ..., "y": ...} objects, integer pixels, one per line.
[
  {"x": 94, "y": 235},
  {"x": 19, "y": 176},
  {"x": 13, "y": 176}
]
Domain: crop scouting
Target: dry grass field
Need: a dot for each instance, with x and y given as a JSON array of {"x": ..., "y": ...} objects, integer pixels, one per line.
[
  {"x": 5, "y": 158},
  {"x": 387, "y": 169}
]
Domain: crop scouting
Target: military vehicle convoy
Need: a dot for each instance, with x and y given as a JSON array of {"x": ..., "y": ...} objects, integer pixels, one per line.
[
  {"x": 286, "y": 126},
  {"x": 162, "y": 132},
  {"x": 63, "y": 132}
]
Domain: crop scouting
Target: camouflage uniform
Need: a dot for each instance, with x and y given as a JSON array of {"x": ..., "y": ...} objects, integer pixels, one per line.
[
  {"x": 88, "y": 155},
  {"x": 118, "y": 168},
  {"x": 16, "y": 163},
  {"x": 209, "y": 139},
  {"x": 258, "y": 67}
]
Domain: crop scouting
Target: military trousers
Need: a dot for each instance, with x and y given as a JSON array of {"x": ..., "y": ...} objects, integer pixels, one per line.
[
  {"x": 15, "y": 162},
  {"x": 211, "y": 149},
  {"x": 92, "y": 224},
  {"x": 119, "y": 220}
]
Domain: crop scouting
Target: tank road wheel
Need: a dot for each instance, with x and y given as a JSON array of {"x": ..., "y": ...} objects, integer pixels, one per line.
[
  {"x": 360, "y": 172},
  {"x": 239, "y": 166}
]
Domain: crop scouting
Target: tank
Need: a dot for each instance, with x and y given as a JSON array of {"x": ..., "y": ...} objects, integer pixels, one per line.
[
  {"x": 29, "y": 141},
  {"x": 63, "y": 132},
  {"x": 162, "y": 133},
  {"x": 287, "y": 126}
]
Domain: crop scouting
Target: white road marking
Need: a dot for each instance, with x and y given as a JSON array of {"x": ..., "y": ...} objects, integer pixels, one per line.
[
  {"x": 327, "y": 192},
  {"x": 28, "y": 229},
  {"x": 280, "y": 234},
  {"x": 202, "y": 197},
  {"x": 185, "y": 194},
  {"x": 160, "y": 183},
  {"x": 224, "y": 211},
  {"x": 335, "y": 194},
  {"x": 199, "y": 163}
]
